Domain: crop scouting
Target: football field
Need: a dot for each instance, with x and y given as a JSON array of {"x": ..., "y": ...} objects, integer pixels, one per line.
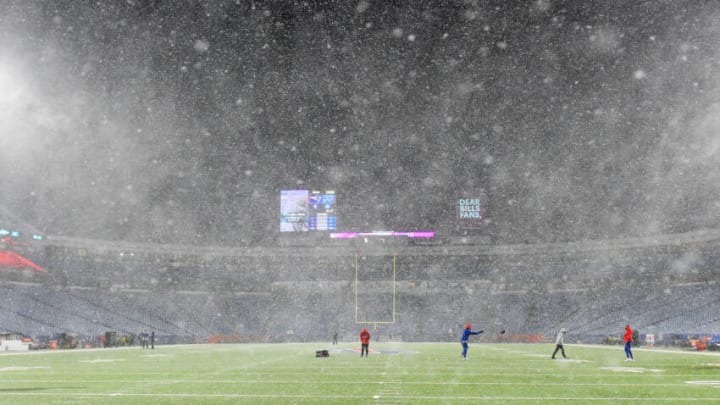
[{"x": 394, "y": 373}]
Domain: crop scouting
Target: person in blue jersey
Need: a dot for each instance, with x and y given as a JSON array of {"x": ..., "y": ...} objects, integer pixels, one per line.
[{"x": 464, "y": 339}]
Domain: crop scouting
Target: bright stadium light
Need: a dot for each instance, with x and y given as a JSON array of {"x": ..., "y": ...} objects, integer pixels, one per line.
[
  {"x": 14, "y": 99},
  {"x": 11, "y": 86}
]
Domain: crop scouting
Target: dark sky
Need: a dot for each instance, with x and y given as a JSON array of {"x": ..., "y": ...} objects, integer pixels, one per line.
[{"x": 180, "y": 121}]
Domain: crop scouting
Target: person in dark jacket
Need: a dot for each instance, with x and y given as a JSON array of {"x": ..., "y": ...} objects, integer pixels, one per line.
[{"x": 464, "y": 339}]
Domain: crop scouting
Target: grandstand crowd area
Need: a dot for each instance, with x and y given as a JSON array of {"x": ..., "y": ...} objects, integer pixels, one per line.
[{"x": 401, "y": 291}]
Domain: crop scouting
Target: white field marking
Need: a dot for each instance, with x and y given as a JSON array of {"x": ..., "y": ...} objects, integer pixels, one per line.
[
  {"x": 155, "y": 355},
  {"x": 632, "y": 369},
  {"x": 561, "y": 359},
  {"x": 234, "y": 347},
  {"x": 520, "y": 352},
  {"x": 100, "y": 361},
  {"x": 66, "y": 351},
  {"x": 388, "y": 389},
  {"x": 542, "y": 356},
  {"x": 349, "y": 397},
  {"x": 387, "y": 392},
  {"x": 714, "y": 384},
  {"x": 24, "y": 368},
  {"x": 613, "y": 347}
]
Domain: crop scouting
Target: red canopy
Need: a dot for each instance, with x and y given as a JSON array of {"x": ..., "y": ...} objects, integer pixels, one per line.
[{"x": 14, "y": 260}]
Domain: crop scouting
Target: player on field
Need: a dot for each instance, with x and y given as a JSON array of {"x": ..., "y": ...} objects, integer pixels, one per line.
[
  {"x": 559, "y": 341},
  {"x": 464, "y": 339},
  {"x": 364, "y": 342},
  {"x": 628, "y": 339}
]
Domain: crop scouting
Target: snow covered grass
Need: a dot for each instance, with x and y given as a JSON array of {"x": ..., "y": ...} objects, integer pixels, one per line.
[{"x": 428, "y": 373}]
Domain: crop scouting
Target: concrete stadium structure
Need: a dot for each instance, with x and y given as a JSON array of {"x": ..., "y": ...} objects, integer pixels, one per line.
[{"x": 297, "y": 291}]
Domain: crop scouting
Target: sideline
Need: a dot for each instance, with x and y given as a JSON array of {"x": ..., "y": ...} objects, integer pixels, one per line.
[{"x": 352, "y": 397}]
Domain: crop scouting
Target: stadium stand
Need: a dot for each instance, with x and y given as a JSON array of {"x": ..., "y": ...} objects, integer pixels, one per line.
[{"x": 280, "y": 294}]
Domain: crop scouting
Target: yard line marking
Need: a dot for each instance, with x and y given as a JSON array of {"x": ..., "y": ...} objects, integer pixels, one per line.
[
  {"x": 632, "y": 369},
  {"x": 714, "y": 384},
  {"x": 322, "y": 382},
  {"x": 24, "y": 368},
  {"x": 101, "y": 361},
  {"x": 330, "y": 397},
  {"x": 387, "y": 394}
]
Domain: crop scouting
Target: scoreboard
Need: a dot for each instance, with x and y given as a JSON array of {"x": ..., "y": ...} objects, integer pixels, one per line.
[{"x": 321, "y": 211}]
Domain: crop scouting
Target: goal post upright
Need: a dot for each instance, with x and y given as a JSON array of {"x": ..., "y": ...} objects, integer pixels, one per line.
[{"x": 357, "y": 257}]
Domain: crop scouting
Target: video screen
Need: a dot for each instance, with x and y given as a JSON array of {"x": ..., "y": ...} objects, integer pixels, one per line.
[{"x": 307, "y": 210}]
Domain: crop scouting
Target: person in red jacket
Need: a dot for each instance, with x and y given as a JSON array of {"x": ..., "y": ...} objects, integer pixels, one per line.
[
  {"x": 364, "y": 342},
  {"x": 628, "y": 338}
]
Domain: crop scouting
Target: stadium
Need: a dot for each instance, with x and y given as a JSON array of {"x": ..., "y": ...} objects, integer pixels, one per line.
[
  {"x": 404, "y": 289},
  {"x": 94, "y": 296},
  {"x": 206, "y": 201}
]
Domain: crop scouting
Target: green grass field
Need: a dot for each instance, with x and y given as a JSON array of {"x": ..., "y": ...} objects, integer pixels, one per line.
[{"x": 408, "y": 373}]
